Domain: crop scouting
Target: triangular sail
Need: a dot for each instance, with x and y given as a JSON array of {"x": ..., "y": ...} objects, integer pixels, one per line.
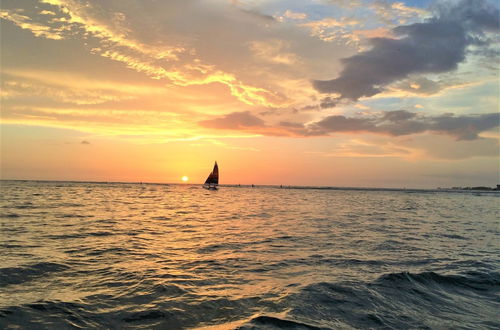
[{"x": 213, "y": 178}]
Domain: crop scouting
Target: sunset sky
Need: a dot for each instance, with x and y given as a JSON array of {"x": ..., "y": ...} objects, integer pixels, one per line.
[{"x": 297, "y": 92}]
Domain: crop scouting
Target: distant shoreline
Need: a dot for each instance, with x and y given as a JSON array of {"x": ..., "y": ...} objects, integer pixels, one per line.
[{"x": 273, "y": 186}]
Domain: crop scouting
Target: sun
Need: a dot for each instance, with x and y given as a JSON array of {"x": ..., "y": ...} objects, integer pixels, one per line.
[{"x": 185, "y": 178}]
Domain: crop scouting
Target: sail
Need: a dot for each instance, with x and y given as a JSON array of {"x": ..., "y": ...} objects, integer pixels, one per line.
[{"x": 213, "y": 178}]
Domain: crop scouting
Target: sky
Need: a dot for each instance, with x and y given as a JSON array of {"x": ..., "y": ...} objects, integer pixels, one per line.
[{"x": 299, "y": 92}]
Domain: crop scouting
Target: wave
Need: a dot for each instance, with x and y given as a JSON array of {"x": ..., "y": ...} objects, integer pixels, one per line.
[
  {"x": 25, "y": 273},
  {"x": 147, "y": 315},
  {"x": 11, "y": 215},
  {"x": 47, "y": 315},
  {"x": 109, "y": 250},
  {"x": 404, "y": 300},
  {"x": 394, "y": 300},
  {"x": 272, "y": 322},
  {"x": 134, "y": 310},
  {"x": 80, "y": 235},
  {"x": 333, "y": 260},
  {"x": 26, "y": 206},
  {"x": 473, "y": 280}
]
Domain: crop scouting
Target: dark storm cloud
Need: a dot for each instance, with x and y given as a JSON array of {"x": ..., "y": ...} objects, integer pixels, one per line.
[
  {"x": 234, "y": 120},
  {"x": 437, "y": 45}
]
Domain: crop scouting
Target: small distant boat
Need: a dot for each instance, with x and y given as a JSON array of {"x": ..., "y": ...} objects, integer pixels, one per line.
[{"x": 213, "y": 179}]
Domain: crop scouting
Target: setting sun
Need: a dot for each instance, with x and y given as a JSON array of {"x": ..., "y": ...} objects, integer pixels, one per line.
[{"x": 185, "y": 178}]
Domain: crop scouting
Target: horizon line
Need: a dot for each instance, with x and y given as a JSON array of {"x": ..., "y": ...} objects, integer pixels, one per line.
[{"x": 280, "y": 186}]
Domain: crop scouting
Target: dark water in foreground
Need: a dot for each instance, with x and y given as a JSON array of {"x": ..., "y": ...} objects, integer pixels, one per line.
[{"x": 156, "y": 256}]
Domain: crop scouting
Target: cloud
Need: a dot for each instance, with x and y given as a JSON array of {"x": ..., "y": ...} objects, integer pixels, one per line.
[
  {"x": 337, "y": 123},
  {"x": 440, "y": 147},
  {"x": 163, "y": 55},
  {"x": 273, "y": 51},
  {"x": 402, "y": 122},
  {"x": 437, "y": 45},
  {"x": 465, "y": 127},
  {"x": 251, "y": 11},
  {"x": 293, "y": 15},
  {"x": 84, "y": 142},
  {"x": 328, "y": 102},
  {"x": 398, "y": 115},
  {"x": 388, "y": 12},
  {"x": 331, "y": 29},
  {"x": 393, "y": 123},
  {"x": 25, "y": 22},
  {"x": 245, "y": 121},
  {"x": 47, "y": 12},
  {"x": 380, "y": 32},
  {"x": 421, "y": 85},
  {"x": 255, "y": 13},
  {"x": 235, "y": 120},
  {"x": 111, "y": 31},
  {"x": 37, "y": 87},
  {"x": 143, "y": 125},
  {"x": 436, "y": 147}
]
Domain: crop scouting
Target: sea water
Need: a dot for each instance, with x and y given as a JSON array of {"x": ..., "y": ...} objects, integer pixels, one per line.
[{"x": 94, "y": 255}]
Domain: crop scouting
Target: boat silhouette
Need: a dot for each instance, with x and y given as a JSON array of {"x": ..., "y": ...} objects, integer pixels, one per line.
[{"x": 212, "y": 181}]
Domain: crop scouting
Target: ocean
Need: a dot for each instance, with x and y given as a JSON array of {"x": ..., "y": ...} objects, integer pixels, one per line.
[{"x": 125, "y": 256}]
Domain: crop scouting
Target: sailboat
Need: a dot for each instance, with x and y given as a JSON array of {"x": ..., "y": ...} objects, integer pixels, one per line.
[{"x": 213, "y": 179}]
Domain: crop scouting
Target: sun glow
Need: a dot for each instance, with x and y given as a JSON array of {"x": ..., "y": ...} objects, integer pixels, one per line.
[{"x": 184, "y": 179}]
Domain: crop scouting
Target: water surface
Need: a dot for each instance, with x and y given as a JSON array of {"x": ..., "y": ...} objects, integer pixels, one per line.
[{"x": 177, "y": 256}]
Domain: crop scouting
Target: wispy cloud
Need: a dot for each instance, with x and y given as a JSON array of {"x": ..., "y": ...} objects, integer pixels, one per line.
[
  {"x": 25, "y": 22},
  {"x": 390, "y": 12},
  {"x": 331, "y": 29},
  {"x": 80, "y": 14},
  {"x": 158, "y": 60},
  {"x": 294, "y": 15},
  {"x": 68, "y": 88}
]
